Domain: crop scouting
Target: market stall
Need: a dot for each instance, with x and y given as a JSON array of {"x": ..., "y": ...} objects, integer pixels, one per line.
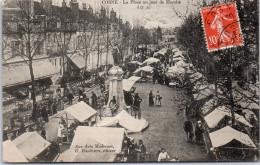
[
  {"x": 232, "y": 145},
  {"x": 99, "y": 144},
  {"x": 151, "y": 60},
  {"x": 221, "y": 116},
  {"x": 31, "y": 144},
  {"x": 12, "y": 154}
]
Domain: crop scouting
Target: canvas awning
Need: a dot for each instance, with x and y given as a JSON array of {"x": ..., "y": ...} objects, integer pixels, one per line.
[
  {"x": 134, "y": 78},
  {"x": 130, "y": 123},
  {"x": 78, "y": 60},
  {"x": 220, "y": 113},
  {"x": 182, "y": 64},
  {"x": 148, "y": 69},
  {"x": 151, "y": 60},
  {"x": 227, "y": 134},
  {"x": 248, "y": 113},
  {"x": 128, "y": 83},
  {"x": 177, "y": 59},
  {"x": 175, "y": 50},
  {"x": 135, "y": 62},
  {"x": 209, "y": 105},
  {"x": 204, "y": 91},
  {"x": 19, "y": 73},
  {"x": 31, "y": 144},
  {"x": 99, "y": 144},
  {"x": 175, "y": 70},
  {"x": 127, "y": 121},
  {"x": 12, "y": 154},
  {"x": 107, "y": 136},
  {"x": 81, "y": 111}
]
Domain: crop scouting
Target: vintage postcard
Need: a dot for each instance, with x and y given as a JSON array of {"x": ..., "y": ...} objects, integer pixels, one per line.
[{"x": 130, "y": 81}]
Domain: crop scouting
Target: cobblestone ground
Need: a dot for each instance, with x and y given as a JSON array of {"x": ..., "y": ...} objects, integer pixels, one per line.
[{"x": 166, "y": 124}]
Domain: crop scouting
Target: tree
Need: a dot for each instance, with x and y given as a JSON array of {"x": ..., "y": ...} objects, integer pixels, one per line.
[{"x": 28, "y": 29}]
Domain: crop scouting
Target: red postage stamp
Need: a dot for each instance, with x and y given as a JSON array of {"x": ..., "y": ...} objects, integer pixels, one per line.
[{"x": 221, "y": 26}]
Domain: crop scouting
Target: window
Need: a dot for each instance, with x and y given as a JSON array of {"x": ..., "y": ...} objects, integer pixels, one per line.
[
  {"x": 15, "y": 46},
  {"x": 38, "y": 47}
]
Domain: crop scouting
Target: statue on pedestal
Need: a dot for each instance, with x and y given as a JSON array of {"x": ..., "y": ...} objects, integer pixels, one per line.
[{"x": 117, "y": 57}]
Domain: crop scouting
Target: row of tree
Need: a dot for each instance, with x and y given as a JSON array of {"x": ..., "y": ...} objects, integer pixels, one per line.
[
  {"x": 224, "y": 67},
  {"x": 30, "y": 30}
]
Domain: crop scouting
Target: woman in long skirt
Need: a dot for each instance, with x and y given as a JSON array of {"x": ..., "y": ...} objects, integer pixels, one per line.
[{"x": 151, "y": 96}]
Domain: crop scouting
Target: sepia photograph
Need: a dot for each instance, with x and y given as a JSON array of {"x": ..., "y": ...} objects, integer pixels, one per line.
[{"x": 130, "y": 81}]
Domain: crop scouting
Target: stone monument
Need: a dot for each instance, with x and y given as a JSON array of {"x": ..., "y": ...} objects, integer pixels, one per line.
[{"x": 115, "y": 89}]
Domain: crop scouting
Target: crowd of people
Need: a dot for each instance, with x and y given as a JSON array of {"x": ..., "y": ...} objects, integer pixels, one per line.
[
  {"x": 133, "y": 100},
  {"x": 133, "y": 151}
]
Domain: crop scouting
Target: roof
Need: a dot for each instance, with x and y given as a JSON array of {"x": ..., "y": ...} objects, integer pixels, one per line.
[
  {"x": 14, "y": 74},
  {"x": 220, "y": 113},
  {"x": 31, "y": 144},
  {"x": 78, "y": 60},
  {"x": 227, "y": 134},
  {"x": 11, "y": 153},
  {"x": 106, "y": 136},
  {"x": 127, "y": 121},
  {"x": 81, "y": 111}
]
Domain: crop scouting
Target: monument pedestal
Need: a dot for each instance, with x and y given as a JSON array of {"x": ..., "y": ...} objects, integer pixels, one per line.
[{"x": 115, "y": 89}]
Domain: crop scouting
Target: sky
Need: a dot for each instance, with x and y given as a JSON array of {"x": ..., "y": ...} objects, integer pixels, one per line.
[{"x": 158, "y": 15}]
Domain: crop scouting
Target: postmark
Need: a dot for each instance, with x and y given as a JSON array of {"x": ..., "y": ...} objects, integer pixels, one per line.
[{"x": 221, "y": 26}]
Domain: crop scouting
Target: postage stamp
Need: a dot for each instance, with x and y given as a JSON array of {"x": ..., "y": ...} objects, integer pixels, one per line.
[{"x": 221, "y": 26}]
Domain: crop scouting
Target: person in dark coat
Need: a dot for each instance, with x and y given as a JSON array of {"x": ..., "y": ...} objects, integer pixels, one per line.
[
  {"x": 132, "y": 151},
  {"x": 160, "y": 78},
  {"x": 137, "y": 103},
  {"x": 141, "y": 151},
  {"x": 166, "y": 80},
  {"x": 151, "y": 96},
  {"x": 199, "y": 132},
  {"x": 81, "y": 97},
  {"x": 188, "y": 128},
  {"x": 70, "y": 97},
  {"x": 43, "y": 134},
  {"x": 44, "y": 113},
  {"x": 5, "y": 137},
  {"x": 155, "y": 75},
  {"x": 22, "y": 128},
  {"x": 55, "y": 106},
  {"x": 94, "y": 100}
]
